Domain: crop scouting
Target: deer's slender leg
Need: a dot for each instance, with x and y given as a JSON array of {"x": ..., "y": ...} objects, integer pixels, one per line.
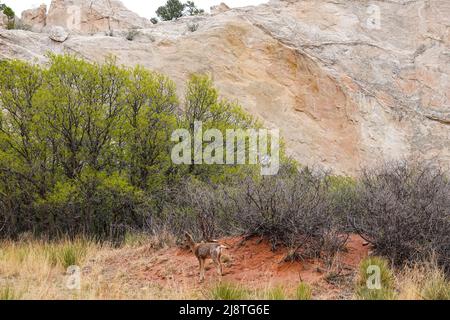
[
  {"x": 202, "y": 270},
  {"x": 218, "y": 264}
]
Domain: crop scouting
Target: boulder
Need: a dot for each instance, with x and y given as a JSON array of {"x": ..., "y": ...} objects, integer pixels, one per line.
[
  {"x": 35, "y": 18},
  {"x": 58, "y": 34},
  {"x": 222, "y": 7}
]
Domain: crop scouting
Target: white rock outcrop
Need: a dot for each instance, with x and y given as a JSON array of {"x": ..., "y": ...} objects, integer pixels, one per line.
[
  {"x": 93, "y": 16},
  {"x": 348, "y": 82},
  {"x": 222, "y": 7},
  {"x": 35, "y": 18},
  {"x": 3, "y": 20}
]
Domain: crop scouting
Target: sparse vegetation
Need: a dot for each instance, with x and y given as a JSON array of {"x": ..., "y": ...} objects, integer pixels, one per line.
[
  {"x": 276, "y": 293},
  {"x": 228, "y": 291},
  {"x": 192, "y": 27},
  {"x": 436, "y": 287},
  {"x": 10, "y": 14},
  {"x": 191, "y": 9},
  {"x": 303, "y": 292},
  {"x": 132, "y": 34},
  {"x": 376, "y": 280},
  {"x": 8, "y": 293}
]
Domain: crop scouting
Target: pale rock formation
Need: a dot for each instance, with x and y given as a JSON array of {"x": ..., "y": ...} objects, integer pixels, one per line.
[
  {"x": 222, "y": 7},
  {"x": 93, "y": 16},
  {"x": 3, "y": 20},
  {"x": 58, "y": 34},
  {"x": 35, "y": 18},
  {"x": 348, "y": 82}
]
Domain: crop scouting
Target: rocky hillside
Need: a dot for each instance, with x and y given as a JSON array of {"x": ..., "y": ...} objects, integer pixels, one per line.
[{"x": 348, "y": 82}]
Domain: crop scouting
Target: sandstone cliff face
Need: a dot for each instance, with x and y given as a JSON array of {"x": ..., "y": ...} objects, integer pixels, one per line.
[
  {"x": 348, "y": 82},
  {"x": 35, "y": 18},
  {"x": 84, "y": 16}
]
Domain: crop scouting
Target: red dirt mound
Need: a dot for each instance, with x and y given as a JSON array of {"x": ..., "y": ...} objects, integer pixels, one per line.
[{"x": 250, "y": 263}]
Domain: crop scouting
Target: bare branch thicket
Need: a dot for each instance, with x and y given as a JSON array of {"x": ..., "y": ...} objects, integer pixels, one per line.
[
  {"x": 403, "y": 209},
  {"x": 292, "y": 210}
]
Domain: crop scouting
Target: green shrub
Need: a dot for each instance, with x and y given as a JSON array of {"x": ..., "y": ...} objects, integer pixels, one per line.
[
  {"x": 67, "y": 253},
  {"x": 102, "y": 166},
  {"x": 8, "y": 12},
  {"x": 276, "y": 293},
  {"x": 8, "y": 293},
  {"x": 368, "y": 275},
  {"x": 228, "y": 291},
  {"x": 303, "y": 292},
  {"x": 174, "y": 9}
]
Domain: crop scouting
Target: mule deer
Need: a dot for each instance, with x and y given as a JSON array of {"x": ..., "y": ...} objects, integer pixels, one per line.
[{"x": 203, "y": 251}]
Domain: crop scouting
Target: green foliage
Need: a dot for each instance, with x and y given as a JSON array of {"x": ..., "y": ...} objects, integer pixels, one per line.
[
  {"x": 303, "y": 292},
  {"x": 386, "y": 277},
  {"x": 85, "y": 147},
  {"x": 8, "y": 293},
  {"x": 67, "y": 253},
  {"x": 192, "y": 10},
  {"x": 228, "y": 291},
  {"x": 7, "y": 11},
  {"x": 276, "y": 293},
  {"x": 10, "y": 14},
  {"x": 202, "y": 103},
  {"x": 174, "y": 9}
]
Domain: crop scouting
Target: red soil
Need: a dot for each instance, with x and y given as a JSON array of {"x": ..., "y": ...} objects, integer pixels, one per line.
[{"x": 250, "y": 263}]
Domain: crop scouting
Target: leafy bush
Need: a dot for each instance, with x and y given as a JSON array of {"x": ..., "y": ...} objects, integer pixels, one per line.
[
  {"x": 191, "y": 9},
  {"x": 368, "y": 275},
  {"x": 85, "y": 148},
  {"x": 403, "y": 209},
  {"x": 7, "y": 11},
  {"x": 174, "y": 9}
]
